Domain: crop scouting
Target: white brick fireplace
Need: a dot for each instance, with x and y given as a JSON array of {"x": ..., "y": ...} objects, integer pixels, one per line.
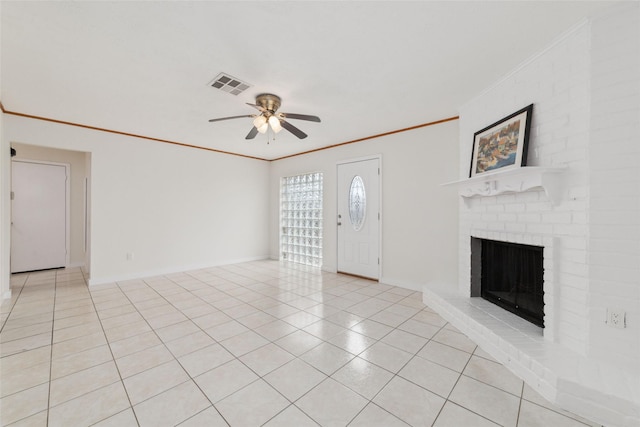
[{"x": 586, "y": 123}]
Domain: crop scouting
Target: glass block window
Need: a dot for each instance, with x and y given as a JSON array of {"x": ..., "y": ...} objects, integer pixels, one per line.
[
  {"x": 301, "y": 219},
  {"x": 357, "y": 203}
]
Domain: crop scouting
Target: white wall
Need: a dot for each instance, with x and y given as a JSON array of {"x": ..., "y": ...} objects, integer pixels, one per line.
[
  {"x": 5, "y": 189},
  {"x": 5, "y": 212},
  {"x": 174, "y": 208},
  {"x": 77, "y": 162},
  {"x": 419, "y": 217},
  {"x": 87, "y": 234},
  {"x": 614, "y": 185}
]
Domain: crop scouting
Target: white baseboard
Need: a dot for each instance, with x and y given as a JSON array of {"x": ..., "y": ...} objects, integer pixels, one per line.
[
  {"x": 401, "y": 283},
  {"x": 94, "y": 281},
  {"x": 75, "y": 265},
  {"x": 7, "y": 294}
]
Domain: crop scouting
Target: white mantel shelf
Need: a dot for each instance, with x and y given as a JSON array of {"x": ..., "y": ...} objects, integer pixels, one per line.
[{"x": 514, "y": 180}]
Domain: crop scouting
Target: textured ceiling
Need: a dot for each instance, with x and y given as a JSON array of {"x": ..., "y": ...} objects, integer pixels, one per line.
[{"x": 364, "y": 67}]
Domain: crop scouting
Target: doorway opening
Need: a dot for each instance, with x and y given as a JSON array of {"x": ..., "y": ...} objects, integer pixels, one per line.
[
  {"x": 301, "y": 219},
  {"x": 78, "y": 195}
]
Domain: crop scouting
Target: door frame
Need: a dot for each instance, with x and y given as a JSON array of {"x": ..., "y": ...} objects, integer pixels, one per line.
[
  {"x": 355, "y": 160},
  {"x": 67, "y": 204}
]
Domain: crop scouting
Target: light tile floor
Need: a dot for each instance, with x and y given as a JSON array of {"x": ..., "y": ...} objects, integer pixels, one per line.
[{"x": 259, "y": 343}]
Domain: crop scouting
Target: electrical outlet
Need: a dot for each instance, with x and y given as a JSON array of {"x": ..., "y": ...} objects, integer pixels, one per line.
[
  {"x": 129, "y": 256},
  {"x": 616, "y": 318}
]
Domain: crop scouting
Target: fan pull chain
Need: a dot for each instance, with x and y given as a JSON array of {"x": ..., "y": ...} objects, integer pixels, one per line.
[{"x": 269, "y": 133}]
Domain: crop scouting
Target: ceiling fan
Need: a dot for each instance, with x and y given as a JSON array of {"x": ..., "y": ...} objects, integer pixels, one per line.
[{"x": 269, "y": 116}]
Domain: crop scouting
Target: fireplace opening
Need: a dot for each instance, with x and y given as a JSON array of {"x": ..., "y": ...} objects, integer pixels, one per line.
[{"x": 511, "y": 276}]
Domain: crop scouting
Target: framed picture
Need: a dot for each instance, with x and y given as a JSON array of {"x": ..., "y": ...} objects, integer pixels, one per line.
[{"x": 502, "y": 145}]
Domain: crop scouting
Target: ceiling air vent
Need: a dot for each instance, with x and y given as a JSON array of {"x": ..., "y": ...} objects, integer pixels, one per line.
[{"x": 229, "y": 84}]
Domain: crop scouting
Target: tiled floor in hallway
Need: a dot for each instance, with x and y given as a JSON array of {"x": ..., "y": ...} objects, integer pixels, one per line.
[{"x": 252, "y": 344}]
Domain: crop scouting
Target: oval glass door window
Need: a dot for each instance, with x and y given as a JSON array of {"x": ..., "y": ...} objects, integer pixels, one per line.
[{"x": 357, "y": 203}]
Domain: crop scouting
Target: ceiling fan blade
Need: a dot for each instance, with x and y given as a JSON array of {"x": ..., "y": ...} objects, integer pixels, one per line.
[
  {"x": 252, "y": 133},
  {"x": 257, "y": 107},
  {"x": 294, "y": 130},
  {"x": 232, "y": 117},
  {"x": 300, "y": 117}
]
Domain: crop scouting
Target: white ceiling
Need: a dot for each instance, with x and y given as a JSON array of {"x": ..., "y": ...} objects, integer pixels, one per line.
[{"x": 364, "y": 67}]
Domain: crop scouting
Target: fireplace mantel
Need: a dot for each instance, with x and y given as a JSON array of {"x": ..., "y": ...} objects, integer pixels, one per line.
[{"x": 515, "y": 180}]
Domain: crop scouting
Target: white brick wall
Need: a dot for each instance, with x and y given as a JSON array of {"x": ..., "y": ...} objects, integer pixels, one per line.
[
  {"x": 586, "y": 94},
  {"x": 557, "y": 83}
]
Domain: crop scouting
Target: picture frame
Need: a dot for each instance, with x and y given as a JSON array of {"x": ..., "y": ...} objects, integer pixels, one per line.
[{"x": 503, "y": 144}]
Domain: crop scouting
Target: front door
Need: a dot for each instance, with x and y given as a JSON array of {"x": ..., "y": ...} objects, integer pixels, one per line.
[
  {"x": 38, "y": 216},
  {"x": 359, "y": 218}
]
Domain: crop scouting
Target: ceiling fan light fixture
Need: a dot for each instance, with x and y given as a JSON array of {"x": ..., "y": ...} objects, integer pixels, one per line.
[
  {"x": 261, "y": 124},
  {"x": 275, "y": 124}
]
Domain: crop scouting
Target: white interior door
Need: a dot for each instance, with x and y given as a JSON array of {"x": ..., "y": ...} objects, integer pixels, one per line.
[
  {"x": 359, "y": 218},
  {"x": 38, "y": 216}
]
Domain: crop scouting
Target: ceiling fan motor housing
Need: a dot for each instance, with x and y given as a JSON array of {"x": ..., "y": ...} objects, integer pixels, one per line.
[{"x": 269, "y": 102}]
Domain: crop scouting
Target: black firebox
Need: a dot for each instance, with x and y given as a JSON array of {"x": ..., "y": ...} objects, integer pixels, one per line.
[{"x": 511, "y": 277}]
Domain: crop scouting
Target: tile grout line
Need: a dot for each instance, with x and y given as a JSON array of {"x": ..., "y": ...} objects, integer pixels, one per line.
[
  {"x": 215, "y": 341},
  {"x": 124, "y": 293},
  {"x": 394, "y": 374},
  {"x": 261, "y": 377},
  {"x": 86, "y": 287},
  {"x": 454, "y": 387},
  {"x": 191, "y": 320},
  {"x": 13, "y": 304},
  {"x": 520, "y": 404},
  {"x": 113, "y": 358},
  {"x": 53, "y": 323},
  {"x": 369, "y": 401}
]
